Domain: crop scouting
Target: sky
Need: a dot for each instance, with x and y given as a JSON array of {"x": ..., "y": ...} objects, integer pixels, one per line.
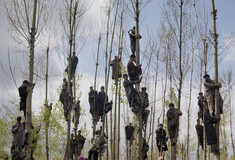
[{"x": 150, "y": 22}]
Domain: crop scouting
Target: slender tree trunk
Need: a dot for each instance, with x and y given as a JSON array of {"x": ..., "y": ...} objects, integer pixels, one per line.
[
  {"x": 189, "y": 106},
  {"x": 154, "y": 106},
  {"x": 217, "y": 110},
  {"x": 230, "y": 118},
  {"x": 46, "y": 105},
  {"x": 30, "y": 91}
]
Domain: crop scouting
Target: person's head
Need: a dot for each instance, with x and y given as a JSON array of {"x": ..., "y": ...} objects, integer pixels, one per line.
[
  {"x": 18, "y": 119},
  {"x": 91, "y": 88},
  {"x": 171, "y": 106},
  {"x": 143, "y": 89},
  {"x": 133, "y": 28},
  {"x": 72, "y": 136},
  {"x": 116, "y": 57},
  {"x": 206, "y": 107},
  {"x": 130, "y": 124},
  {"x": 206, "y": 77},
  {"x": 25, "y": 83},
  {"x": 102, "y": 88},
  {"x": 78, "y": 102},
  {"x": 160, "y": 126},
  {"x": 64, "y": 80},
  {"x": 200, "y": 94},
  {"x": 198, "y": 121},
  {"x": 79, "y": 132},
  {"x": 132, "y": 58},
  {"x": 125, "y": 76},
  {"x": 51, "y": 104},
  {"x": 98, "y": 132}
]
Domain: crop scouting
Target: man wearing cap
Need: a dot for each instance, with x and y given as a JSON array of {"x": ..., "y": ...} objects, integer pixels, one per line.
[
  {"x": 133, "y": 38},
  {"x": 209, "y": 87},
  {"x": 134, "y": 71},
  {"x": 23, "y": 92},
  {"x": 172, "y": 121},
  {"x": 200, "y": 102},
  {"x": 80, "y": 141},
  {"x": 116, "y": 68}
]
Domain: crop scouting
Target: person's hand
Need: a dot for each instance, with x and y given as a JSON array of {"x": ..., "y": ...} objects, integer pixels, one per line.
[
  {"x": 17, "y": 127},
  {"x": 139, "y": 65}
]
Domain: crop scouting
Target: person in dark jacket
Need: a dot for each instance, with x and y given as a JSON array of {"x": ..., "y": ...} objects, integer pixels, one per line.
[
  {"x": 129, "y": 129},
  {"x": 74, "y": 62},
  {"x": 199, "y": 129},
  {"x": 116, "y": 68},
  {"x": 172, "y": 121},
  {"x": 209, "y": 122},
  {"x": 200, "y": 102},
  {"x": 161, "y": 138},
  {"x": 93, "y": 103},
  {"x": 134, "y": 71},
  {"x": 101, "y": 102},
  {"x": 133, "y": 38},
  {"x": 23, "y": 92}
]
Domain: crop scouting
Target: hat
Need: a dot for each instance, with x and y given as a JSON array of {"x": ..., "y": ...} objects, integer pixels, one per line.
[
  {"x": 132, "y": 56},
  {"x": 26, "y": 81},
  {"x": 125, "y": 75}
]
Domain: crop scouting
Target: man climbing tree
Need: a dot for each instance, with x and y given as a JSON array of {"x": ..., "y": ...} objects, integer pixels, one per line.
[
  {"x": 74, "y": 60},
  {"x": 199, "y": 129},
  {"x": 19, "y": 138},
  {"x": 145, "y": 103},
  {"x": 161, "y": 139},
  {"x": 65, "y": 85},
  {"x": 209, "y": 122},
  {"x": 64, "y": 99},
  {"x": 72, "y": 145},
  {"x": 80, "y": 141},
  {"x": 129, "y": 129},
  {"x": 210, "y": 86},
  {"x": 116, "y": 68},
  {"x": 93, "y": 103},
  {"x": 132, "y": 95},
  {"x": 172, "y": 121},
  {"x": 23, "y": 92},
  {"x": 200, "y": 102},
  {"x": 77, "y": 113},
  {"x": 134, "y": 71},
  {"x": 133, "y": 37},
  {"x": 145, "y": 149},
  {"x": 101, "y": 103}
]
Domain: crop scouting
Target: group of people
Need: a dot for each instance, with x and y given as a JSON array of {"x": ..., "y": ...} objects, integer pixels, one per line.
[
  {"x": 99, "y": 104},
  {"x": 207, "y": 113}
]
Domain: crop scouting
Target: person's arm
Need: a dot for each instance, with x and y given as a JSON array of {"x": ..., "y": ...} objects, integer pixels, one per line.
[
  {"x": 15, "y": 128},
  {"x": 210, "y": 85},
  {"x": 212, "y": 119}
]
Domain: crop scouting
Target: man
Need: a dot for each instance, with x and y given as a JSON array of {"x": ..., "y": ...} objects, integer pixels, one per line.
[
  {"x": 161, "y": 138},
  {"x": 23, "y": 92},
  {"x": 19, "y": 135},
  {"x": 134, "y": 71},
  {"x": 74, "y": 62},
  {"x": 172, "y": 122},
  {"x": 100, "y": 142},
  {"x": 64, "y": 99},
  {"x": 65, "y": 86},
  {"x": 101, "y": 102},
  {"x": 133, "y": 38},
  {"x": 209, "y": 121},
  {"x": 93, "y": 103},
  {"x": 200, "y": 102},
  {"x": 199, "y": 129},
  {"x": 77, "y": 113},
  {"x": 72, "y": 145},
  {"x": 116, "y": 68},
  {"x": 129, "y": 129},
  {"x": 80, "y": 141},
  {"x": 145, "y": 115},
  {"x": 210, "y": 87},
  {"x": 132, "y": 95},
  {"x": 144, "y": 97}
]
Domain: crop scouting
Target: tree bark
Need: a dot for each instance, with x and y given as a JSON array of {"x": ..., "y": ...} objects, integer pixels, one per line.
[
  {"x": 217, "y": 110},
  {"x": 46, "y": 105},
  {"x": 30, "y": 92}
]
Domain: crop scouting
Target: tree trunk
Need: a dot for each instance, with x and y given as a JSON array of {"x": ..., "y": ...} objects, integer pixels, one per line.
[
  {"x": 46, "y": 105},
  {"x": 30, "y": 92},
  {"x": 215, "y": 44}
]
